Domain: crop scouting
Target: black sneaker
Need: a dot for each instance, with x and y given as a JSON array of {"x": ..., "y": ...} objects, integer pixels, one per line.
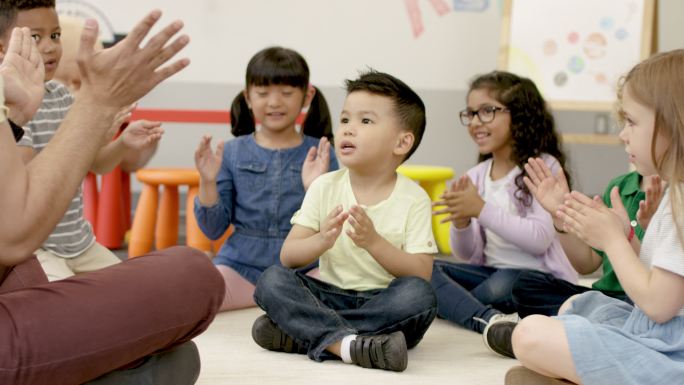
[
  {"x": 269, "y": 336},
  {"x": 497, "y": 337},
  {"x": 385, "y": 351}
]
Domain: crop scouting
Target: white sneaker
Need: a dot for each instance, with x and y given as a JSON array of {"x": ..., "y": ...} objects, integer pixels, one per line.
[{"x": 498, "y": 317}]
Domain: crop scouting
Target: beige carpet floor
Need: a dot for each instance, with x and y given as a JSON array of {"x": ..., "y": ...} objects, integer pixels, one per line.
[{"x": 447, "y": 355}]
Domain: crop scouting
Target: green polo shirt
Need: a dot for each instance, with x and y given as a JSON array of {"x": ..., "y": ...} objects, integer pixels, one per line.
[{"x": 631, "y": 195}]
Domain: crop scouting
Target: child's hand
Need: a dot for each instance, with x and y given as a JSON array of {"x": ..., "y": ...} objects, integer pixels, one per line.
[
  {"x": 142, "y": 133},
  {"x": 547, "y": 189},
  {"x": 122, "y": 116},
  {"x": 208, "y": 163},
  {"x": 457, "y": 185},
  {"x": 463, "y": 202},
  {"x": 317, "y": 162},
  {"x": 332, "y": 227},
  {"x": 363, "y": 233},
  {"x": 648, "y": 207},
  {"x": 593, "y": 222}
]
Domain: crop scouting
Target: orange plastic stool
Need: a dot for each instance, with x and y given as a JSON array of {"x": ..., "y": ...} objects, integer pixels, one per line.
[{"x": 157, "y": 219}]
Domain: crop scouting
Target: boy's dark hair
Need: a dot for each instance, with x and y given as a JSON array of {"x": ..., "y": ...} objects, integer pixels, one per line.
[
  {"x": 532, "y": 125},
  {"x": 408, "y": 105},
  {"x": 8, "y": 13},
  {"x": 24, "y": 5},
  {"x": 317, "y": 123},
  {"x": 277, "y": 65}
]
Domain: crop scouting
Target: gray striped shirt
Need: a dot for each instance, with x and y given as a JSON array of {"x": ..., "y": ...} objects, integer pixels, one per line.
[{"x": 73, "y": 234}]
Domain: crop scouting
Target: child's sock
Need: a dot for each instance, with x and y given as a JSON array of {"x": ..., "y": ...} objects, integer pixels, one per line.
[{"x": 345, "y": 348}]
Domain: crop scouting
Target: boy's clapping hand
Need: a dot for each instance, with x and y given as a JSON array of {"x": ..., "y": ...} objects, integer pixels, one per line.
[
  {"x": 142, "y": 133},
  {"x": 332, "y": 227},
  {"x": 363, "y": 231}
]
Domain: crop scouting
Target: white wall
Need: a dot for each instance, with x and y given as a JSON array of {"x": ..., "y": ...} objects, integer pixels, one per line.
[
  {"x": 336, "y": 37},
  {"x": 340, "y": 37}
]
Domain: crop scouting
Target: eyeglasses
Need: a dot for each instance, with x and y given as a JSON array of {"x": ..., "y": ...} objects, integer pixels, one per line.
[{"x": 485, "y": 114}]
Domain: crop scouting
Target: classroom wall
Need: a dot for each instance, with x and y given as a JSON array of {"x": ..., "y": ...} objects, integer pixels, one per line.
[{"x": 340, "y": 38}]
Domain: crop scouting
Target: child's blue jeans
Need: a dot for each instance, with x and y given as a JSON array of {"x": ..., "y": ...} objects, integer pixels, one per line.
[
  {"x": 317, "y": 314},
  {"x": 466, "y": 291}
]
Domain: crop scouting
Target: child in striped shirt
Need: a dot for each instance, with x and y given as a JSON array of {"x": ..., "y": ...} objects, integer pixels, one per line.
[{"x": 71, "y": 248}]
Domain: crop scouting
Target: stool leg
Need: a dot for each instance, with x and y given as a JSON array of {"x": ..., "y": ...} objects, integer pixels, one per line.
[
  {"x": 440, "y": 230},
  {"x": 109, "y": 219},
  {"x": 194, "y": 236},
  {"x": 166, "y": 234},
  {"x": 142, "y": 231},
  {"x": 90, "y": 199}
]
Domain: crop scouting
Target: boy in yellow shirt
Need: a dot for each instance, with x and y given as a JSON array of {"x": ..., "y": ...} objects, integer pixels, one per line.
[{"x": 370, "y": 228}]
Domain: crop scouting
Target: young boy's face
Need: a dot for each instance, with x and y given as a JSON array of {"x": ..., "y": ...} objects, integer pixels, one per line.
[
  {"x": 45, "y": 30},
  {"x": 369, "y": 131}
]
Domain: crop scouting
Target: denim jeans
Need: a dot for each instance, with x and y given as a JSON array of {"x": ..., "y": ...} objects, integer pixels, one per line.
[
  {"x": 536, "y": 292},
  {"x": 317, "y": 314},
  {"x": 465, "y": 291}
]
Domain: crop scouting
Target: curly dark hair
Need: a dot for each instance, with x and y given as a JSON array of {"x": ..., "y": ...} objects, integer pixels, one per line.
[
  {"x": 532, "y": 125},
  {"x": 24, "y": 5}
]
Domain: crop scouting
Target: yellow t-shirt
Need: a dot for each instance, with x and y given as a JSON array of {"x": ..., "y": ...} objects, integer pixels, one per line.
[{"x": 403, "y": 219}]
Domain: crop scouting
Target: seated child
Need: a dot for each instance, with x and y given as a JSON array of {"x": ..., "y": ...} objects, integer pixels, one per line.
[
  {"x": 71, "y": 248},
  {"x": 498, "y": 229},
  {"x": 257, "y": 181},
  {"x": 370, "y": 228},
  {"x": 597, "y": 339}
]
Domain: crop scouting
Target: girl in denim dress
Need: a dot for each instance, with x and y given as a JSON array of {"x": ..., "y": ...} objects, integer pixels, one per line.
[
  {"x": 598, "y": 339},
  {"x": 257, "y": 180}
]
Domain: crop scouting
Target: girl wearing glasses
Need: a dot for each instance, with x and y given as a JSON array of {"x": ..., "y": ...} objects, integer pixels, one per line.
[{"x": 498, "y": 228}]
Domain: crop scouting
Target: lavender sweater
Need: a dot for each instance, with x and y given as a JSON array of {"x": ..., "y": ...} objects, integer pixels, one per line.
[{"x": 532, "y": 231}]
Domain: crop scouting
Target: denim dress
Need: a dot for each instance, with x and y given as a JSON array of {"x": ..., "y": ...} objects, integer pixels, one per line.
[{"x": 259, "y": 191}]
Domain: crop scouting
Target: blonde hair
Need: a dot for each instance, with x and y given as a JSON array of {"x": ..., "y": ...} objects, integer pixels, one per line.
[
  {"x": 658, "y": 83},
  {"x": 67, "y": 72}
]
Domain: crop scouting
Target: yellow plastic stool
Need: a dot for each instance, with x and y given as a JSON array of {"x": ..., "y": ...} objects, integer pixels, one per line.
[{"x": 433, "y": 180}]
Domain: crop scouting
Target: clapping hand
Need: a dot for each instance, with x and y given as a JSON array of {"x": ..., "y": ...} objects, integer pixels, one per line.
[
  {"x": 23, "y": 74},
  {"x": 547, "y": 189},
  {"x": 207, "y": 161},
  {"x": 648, "y": 206},
  {"x": 592, "y": 221},
  {"x": 363, "y": 231},
  {"x": 462, "y": 202},
  {"x": 332, "y": 227},
  {"x": 317, "y": 162},
  {"x": 124, "y": 73},
  {"x": 142, "y": 133}
]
